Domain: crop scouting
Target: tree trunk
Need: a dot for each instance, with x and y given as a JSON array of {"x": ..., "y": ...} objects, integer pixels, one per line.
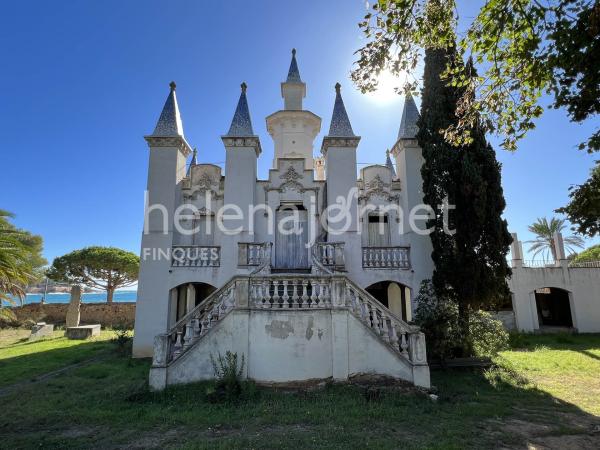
[
  {"x": 463, "y": 324},
  {"x": 109, "y": 294}
]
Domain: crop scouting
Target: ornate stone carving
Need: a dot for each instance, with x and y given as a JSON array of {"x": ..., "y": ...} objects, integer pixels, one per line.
[
  {"x": 291, "y": 177},
  {"x": 377, "y": 187}
]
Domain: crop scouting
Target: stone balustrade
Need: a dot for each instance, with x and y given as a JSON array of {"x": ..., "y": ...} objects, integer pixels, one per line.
[
  {"x": 291, "y": 292},
  {"x": 331, "y": 255},
  {"x": 386, "y": 258},
  {"x": 284, "y": 292},
  {"x": 253, "y": 254},
  {"x": 195, "y": 256},
  {"x": 402, "y": 337}
]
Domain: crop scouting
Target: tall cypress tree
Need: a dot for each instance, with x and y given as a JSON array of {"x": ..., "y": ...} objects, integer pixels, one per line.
[{"x": 470, "y": 265}]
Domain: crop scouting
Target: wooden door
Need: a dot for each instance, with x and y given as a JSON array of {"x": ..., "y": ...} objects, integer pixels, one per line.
[{"x": 291, "y": 238}]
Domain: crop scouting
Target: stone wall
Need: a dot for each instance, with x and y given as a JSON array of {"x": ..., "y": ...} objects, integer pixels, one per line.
[{"x": 105, "y": 314}]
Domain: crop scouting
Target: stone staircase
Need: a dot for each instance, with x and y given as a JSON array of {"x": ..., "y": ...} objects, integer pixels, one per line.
[{"x": 352, "y": 326}]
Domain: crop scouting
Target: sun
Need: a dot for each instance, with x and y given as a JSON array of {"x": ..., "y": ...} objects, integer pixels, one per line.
[{"x": 386, "y": 87}]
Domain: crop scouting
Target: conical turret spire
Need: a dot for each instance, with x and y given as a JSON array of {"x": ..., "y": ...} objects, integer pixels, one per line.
[
  {"x": 410, "y": 116},
  {"x": 293, "y": 73},
  {"x": 241, "y": 125},
  {"x": 169, "y": 122},
  {"x": 194, "y": 161},
  {"x": 340, "y": 124},
  {"x": 389, "y": 164}
]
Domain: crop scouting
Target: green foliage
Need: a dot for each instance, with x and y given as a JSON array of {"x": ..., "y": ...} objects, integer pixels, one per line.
[
  {"x": 123, "y": 338},
  {"x": 438, "y": 319},
  {"x": 20, "y": 259},
  {"x": 470, "y": 241},
  {"x": 228, "y": 376},
  {"x": 488, "y": 335},
  {"x": 528, "y": 48},
  {"x": 589, "y": 254},
  {"x": 8, "y": 319},
  {"x": 544, "y": 229},
  {"x": 108, "y": 268},
  {"x": 583, "y": 209}
]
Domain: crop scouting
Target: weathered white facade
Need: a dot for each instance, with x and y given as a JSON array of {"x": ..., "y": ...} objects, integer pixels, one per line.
[
  {"x": 327, "y": 302},
  {"x": 557, "y": 295}
]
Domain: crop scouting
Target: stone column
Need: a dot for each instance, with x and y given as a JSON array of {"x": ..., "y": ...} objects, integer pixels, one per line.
[
  {"x": 73, "y": 311},
  {"x": 516, "y": 250}
]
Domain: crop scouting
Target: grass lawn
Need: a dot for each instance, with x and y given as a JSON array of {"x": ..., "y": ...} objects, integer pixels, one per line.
[{"x": 543, "y": 394}]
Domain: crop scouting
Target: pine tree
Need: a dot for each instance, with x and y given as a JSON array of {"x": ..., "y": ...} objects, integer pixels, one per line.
[{"x": 470, "y": 265}]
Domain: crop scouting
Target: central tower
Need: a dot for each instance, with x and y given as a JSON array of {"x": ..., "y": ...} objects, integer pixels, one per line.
[{"x": 293, "y": 129}]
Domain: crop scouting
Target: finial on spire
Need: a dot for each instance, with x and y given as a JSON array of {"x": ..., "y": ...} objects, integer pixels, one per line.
[
  {"x": 169, "y": 122},
  {"x": 408, "y": 122},
  {"x": 340, "y": 124},
  {"x": 293, "y": 72},
  {"x": 244, "y": 86},
  {"x": 389, "y": 164},
  {"x": 241, "y": 125}
]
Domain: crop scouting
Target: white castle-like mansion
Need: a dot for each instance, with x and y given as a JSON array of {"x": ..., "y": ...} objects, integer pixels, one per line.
[{"x": 330, "y": 300}]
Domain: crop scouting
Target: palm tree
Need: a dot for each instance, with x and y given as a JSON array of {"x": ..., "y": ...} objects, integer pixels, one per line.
[
  {"x": 15, "y": 256},
  {"x": 544, "y": 242}
]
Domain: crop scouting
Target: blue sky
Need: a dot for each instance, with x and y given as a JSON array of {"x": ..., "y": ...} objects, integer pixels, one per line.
[{"x": 83, "y": 81}]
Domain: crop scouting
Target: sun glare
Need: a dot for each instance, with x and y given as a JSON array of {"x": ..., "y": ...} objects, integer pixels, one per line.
[{"x": 387, "y": 83}]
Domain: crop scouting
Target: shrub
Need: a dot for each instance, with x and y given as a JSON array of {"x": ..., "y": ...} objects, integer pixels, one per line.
[
  {"x": 8, "y": 319},
  {"x": 590, "y": 254},
  {"x": 122, "y": 339},
  {"x": 228, "y": 375},
  {"x": 488, "y": 335},
  {"x": 438, "y": 319}
]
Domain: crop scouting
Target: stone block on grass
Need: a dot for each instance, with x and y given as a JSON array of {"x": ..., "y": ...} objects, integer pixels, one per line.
[{"x": 83, "y": 331}]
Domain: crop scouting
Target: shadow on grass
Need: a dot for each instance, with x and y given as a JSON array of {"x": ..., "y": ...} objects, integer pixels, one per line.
[
  {"x": 107, "y": 404},
  {"x": 28, "y": 367}
]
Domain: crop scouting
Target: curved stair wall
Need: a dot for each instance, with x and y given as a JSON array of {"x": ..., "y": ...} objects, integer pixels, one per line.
[{"x": 291, "y": 328}]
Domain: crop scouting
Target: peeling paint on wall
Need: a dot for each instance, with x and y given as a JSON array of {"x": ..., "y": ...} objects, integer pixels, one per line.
[
  {"x": 279, "y": 329},
  {"x": 309, "y": 328}
]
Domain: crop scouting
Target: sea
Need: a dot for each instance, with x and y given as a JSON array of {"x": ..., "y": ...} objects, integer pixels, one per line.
[{"x": 87, "y": 297}]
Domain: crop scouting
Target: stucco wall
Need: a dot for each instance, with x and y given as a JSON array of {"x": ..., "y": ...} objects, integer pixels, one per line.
[
  {"x": 281, "y": 346},
  {"x": 91, "y": 313},
  {"x": 582, "y": 284}
]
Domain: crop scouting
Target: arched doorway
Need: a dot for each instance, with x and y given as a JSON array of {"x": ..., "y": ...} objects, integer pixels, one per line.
[
  {"x": 553, "y": 307},
  {"x": 187, "y": 296},
  {"x": 394, "y": 296}
]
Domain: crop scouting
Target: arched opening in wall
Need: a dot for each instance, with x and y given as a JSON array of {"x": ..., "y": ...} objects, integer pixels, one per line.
[
  {"x": 395, "y": 296},
  {"x": 187, "y": 296},
  {"x": 553, "y": 307}
]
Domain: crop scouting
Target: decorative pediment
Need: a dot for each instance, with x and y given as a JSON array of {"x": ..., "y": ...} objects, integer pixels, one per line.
[
  {"x": 290, "y": 178},
  {"x": 377, "y": 188}
]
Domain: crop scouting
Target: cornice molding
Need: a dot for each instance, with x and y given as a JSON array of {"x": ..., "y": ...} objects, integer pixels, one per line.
[
  {"x": 177, "y": 142},
  {"x": 333, "y": 141},
  {"x": 243, "y": 141}
]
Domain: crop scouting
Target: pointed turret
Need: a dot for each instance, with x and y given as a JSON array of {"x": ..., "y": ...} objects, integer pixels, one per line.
[
  {"x": 293, "y": 89},
  {"x": 169, "y": 122},
  {"x": 293, "y": 73},
  {"x": 410, "y": 116},
  {"x": 389, "y": 164},
  {"x": 194, "y": 161},
  {"x": 340, "y": 124},
  {"x": 241, "y": 125}
]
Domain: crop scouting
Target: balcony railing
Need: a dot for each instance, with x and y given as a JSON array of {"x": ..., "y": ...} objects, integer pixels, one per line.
[
  {"x": 385, "y": 258},
  {"x": 253, "y": 254},
  {"x": 331, "y": 255},
  {"x": 195, "y": 256}
]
